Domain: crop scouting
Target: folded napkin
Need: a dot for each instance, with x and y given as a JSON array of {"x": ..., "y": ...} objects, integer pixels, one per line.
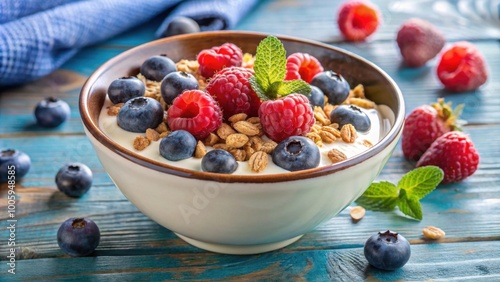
[{"x": 37, "y": 37}]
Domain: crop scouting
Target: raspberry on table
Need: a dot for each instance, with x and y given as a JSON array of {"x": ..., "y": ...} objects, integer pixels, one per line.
[
  {"x": 196, "y": 112},
  {"x": 232, "y": 90},
  {"x": 419, "y": 41},
  {"x": 462, "y": 67},
  {"x": 358, "y": 19},
  {"x": 455, "y": 154},
  {"x": 302, "y": 66},
  {"x": 218, "y": 57}
]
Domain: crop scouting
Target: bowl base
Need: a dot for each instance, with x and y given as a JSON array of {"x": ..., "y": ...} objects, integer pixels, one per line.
[{"x": 238, "y": 249}]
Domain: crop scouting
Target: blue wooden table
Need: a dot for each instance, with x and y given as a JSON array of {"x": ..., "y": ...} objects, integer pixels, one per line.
[{"x": 134, "y": 248}]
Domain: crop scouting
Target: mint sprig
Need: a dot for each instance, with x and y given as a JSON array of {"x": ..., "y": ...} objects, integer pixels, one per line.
[
  {"x": 413, "y": 186},
  {"x": 270, "y": 71}
]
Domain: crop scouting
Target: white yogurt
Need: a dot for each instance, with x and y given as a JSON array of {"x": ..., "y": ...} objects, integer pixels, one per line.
[{"x": 382, "y": 119}]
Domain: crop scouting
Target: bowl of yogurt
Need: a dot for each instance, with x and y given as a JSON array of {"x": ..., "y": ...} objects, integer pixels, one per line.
[{"x": 254, "y": 208}]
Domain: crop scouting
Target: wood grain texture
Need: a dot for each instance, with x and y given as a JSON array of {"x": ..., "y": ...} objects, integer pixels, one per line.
[{"x": 134, "y": 248}]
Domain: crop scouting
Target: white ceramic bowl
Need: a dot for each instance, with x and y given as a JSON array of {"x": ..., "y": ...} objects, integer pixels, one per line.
[{"x": 240, "y": 214}]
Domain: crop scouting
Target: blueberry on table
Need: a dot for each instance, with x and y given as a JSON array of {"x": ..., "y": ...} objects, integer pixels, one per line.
[
  {"x": 74, "y": 179},
  {"x": 181, "y": 25},
  {"x": 345, "y": 114},
  {"x": 219, "y": 161},
  {"x": 78, "y": 236},
  {"x": 333, "y": 85},
  {"x": 51, "y": 112},
  {"x": 296, "y": 153},
  {"x": 139, "y": 114},
  {"x": 175, "y": 83},
  {"x": 14, "y": 164},
  {"x": 157, "y": 67},
  {"x": 316, "y": 97},
  {"x": 125, "y": 88},
  {"x": 387, "y": 250},
  {"x": 178, "y": 145}
]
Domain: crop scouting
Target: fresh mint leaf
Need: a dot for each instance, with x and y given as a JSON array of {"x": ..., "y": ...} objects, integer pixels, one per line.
[
  {"x": 409, "y": 205},
  {"x": 413, "y": 186},
  {"x": 270, "y": 62},
  {"x": 294, "y": 86},
  {"x": 421, "y": 181},
  {"x": 381, "y": 196},
  {"x": 258, "y": 90}
]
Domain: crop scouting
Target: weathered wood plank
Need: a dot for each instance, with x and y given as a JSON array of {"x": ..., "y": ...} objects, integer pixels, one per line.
[{"x": 436, "y": 262}]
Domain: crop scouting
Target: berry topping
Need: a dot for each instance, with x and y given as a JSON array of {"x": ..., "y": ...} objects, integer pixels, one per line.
[
  {"x": 219, "y": 57},
  {"x": 302, "y": 66},
  {"x": 454, "y": 153},
  {"x": 178, "y": 145},
  {"x": 157, "y": 67},
  {"x": 419, "y": 41},
  {"x": 281, "y": 116},
  {"x": 219, "y": 161},
  {"x": 333, "y": 85},
  {"x": 345, "y": 114},
  {"x": 425, "y": 124},
  {"x": 317, "y": 97},
  {"x": 13, "y": 162},
  {"x": 74, "y": 179},
  {"x": 287, "y": 116},
  {"x": 232, "y": 90},
  {"x": 78, "y": 236},
  {"x": 196, "y": 112},
  {"x": 123, "y": 89},
  {"x": 358, "y": 19},
  {"x": 51, "y": 112},
  {"x": 175, "y": 83},
  {"x": 462, "y": 67},
  {"x": 387, "y": 250},
  {"x": 296, "y": 153},
  {"x": 139, "y": 114},
  {"x": 180, "y": 25}
]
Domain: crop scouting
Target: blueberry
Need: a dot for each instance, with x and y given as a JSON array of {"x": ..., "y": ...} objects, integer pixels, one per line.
[
  {"x": 174, "y": 83},
  {"x": 296, "y": 153},
  {"x": 181, "y": 25},
  {"x": 51, "y": 112},
  {"x": 387, "y": 250},
  {"x": 123, "y": 89},
  {"x": 178, "y": 145},
  {"x": 219, "y": 161},
  {"x": 333, "y": 85},
  {"x": 157, "y": 67},
  {"x": 78, "y": 236},
  {"x": 74, "y": 179},
  {"x": 317, "y": 97},
  {"x": 345, "y": 114},
  {"x": 14, "y": 165},
  {"x": 139, "y": 114}
]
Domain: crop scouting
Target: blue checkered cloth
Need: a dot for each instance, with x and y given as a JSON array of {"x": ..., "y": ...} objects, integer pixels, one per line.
[{"x": 38, "y": 36}]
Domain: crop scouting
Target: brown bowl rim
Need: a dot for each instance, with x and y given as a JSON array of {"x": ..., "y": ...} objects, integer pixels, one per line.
[{"x": 94, "y": 130}]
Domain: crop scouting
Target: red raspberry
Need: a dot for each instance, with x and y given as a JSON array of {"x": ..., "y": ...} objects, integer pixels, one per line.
[
  {"x": 219, "y": 57},
  {"x": 194, "y": 111},
  {"x": 462, "y": 67},
  {"x": 358, "y": 19},
  {"x": 232, "y": 90},
  {"x": 424, "y": 125},
  {"x": 455, "y": 154},
  {"x": 302, "y": 66},
  {"x": 419, "y": 41},
  {"x": 287, "y": 116}
]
